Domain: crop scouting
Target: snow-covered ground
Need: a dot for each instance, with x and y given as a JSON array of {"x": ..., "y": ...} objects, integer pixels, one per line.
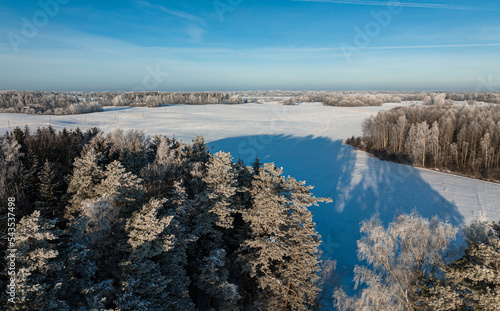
[{"x": 307, "y": 141}]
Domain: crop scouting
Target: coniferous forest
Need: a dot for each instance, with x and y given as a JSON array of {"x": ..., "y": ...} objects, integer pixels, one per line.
[{"x": 128, "y": 222}]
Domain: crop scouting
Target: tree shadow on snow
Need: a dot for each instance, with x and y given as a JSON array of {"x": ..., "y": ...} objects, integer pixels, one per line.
[{"x": 359, "y": 185}]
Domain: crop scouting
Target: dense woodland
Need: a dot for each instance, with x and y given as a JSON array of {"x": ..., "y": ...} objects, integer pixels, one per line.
[
  {"x": 129, "y": 222},
  {"x": 64, "y": 103},
  {"x": 463, "y": 139}
]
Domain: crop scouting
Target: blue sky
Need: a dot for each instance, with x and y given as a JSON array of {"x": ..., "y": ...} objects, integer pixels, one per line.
[{"x": 246, "y": 45}]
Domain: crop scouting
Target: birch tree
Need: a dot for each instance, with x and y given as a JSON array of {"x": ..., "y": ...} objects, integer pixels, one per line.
[{"x": 399, "y": 257}]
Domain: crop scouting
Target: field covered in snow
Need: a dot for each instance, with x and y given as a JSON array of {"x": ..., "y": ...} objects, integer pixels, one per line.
[{"x": 307, "y": 141}]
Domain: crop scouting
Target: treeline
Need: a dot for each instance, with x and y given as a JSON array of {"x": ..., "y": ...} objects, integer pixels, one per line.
[
  {"x": 45, "y": 103},
  {"x": 493, "y": 98},
  {"x": 412, "y": 265},
  {"x": 60, "y": 103},
  {"x": 158, "y": 99},
  {"x": 376, "y": 98},
  {"x": 344, "y": 99},
  {"x": 359, "y": 99},
  {"x": 462, "y": 139},
  {"x": 128, "y": 222}
]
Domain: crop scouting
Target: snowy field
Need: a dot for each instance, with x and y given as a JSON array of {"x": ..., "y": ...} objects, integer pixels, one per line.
[{"x": 307, "y": 141}]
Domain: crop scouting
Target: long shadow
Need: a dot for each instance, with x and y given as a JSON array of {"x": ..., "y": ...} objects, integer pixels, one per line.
[{"x": 358, "y": 184}]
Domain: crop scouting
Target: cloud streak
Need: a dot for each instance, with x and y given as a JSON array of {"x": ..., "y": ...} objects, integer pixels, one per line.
[
  {"x": 402, "y": 4},
  {"x": 180, "y": 14}
]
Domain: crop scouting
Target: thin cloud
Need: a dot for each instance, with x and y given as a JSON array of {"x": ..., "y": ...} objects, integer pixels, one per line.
[
  {"x": 402, "y": 4},
  {"x": 180, "y": 14},
  {"x": 195, "y": 33}
]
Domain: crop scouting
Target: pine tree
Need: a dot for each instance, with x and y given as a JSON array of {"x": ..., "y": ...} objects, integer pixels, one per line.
[
  {"x": 221, "y": 189},
  {"x": 174, "y": 262},
  {"x": 279, "y": 257},
  {"x": 144, "y": 286},
  {"x": 303, "y": 264},
  {"x": 124, "y": 187},
  {"x": 87, "y": 174},
  {"x": 97, "y": 226},
  {"x": 38, "y": 277},
  {"x": 473, "y": 281},
  {"x": 215, "y": 219}
]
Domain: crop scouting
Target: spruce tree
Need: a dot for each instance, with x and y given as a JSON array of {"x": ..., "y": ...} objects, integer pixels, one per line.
[{"x": 47, "y": 199}]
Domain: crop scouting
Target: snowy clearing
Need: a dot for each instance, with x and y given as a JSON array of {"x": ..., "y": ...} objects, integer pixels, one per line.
[{"x": 307, "y": 141}]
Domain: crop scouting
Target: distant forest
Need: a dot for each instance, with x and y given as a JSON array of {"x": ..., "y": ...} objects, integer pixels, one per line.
[
  {"x": 463, "y": 139},
  {"x": 64, "y": 103},
  {"x": 59, "y": 103}
]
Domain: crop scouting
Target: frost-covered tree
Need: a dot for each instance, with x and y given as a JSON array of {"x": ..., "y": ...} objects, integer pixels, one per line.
[
  {"x": 212, "y": 226},
  {"x": 473, "y": 281},
  {"x": 97, "y": 226},
  {"x": 221, "y": 188},
  {"x": 479, "y": 230},
  {"x": 10, "y": 166},
  {"x": 420, "y": 144},
  {"x": 279, "y": 257},
  {"x": 124, "y": 187},
  {"x": 87, "y": 174},
  {"x": 157, "y": 174},
  {"x": 174, "y": 262},
  {"x": 434, "y": 142},
  {"x": 97, "y": 218},
  {"x": 47, "y": 188},
  {"x": 91, "y": 254},
  {"x": 38, "y": 277},
  {"x": 82, "y": 287},
  {"x": 144, "y": 286},
  {"x": 400, "y": 257}
]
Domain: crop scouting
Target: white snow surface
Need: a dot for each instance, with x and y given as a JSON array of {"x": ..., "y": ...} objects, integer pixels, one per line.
[{"x": 307, "y": 141}]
